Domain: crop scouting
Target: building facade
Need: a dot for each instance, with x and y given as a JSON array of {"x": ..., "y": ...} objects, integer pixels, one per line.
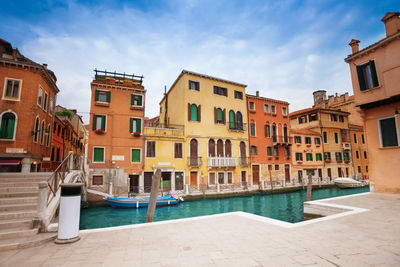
[
  {"x": 213, "y": 115},
  {"x": 375, "y": 74},
  {"x": 269, "y": 139},
  {"x": 116, "y": 143},
  {"x": 26, "y": 111}
]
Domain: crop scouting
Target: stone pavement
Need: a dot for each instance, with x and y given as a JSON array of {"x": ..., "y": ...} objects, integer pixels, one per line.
[{"x": 370, "y": 238}]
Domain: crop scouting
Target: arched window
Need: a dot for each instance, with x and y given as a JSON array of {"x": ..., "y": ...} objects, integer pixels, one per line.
[
  {"x": 274, "y": 134},
  {"x": 220, "y": 148},
  {"x": 228, "y": 148},
  {"x": 193, "y": 113},
  {"x": 42, "y": 133},
  {"x": 36, "y": 131},
  {"x": 232, "y": 124},
  {"x": 239, "y": 121},
  {"x": 7, "y": 127},
  {"x": 193, "y": 160},
  {"x": 285, "y": 134},
  {"x": 48, "y": 133},
  {"x": 211, "y": 148},
  {"x": 267, "y": 129},
  {"x": 252, "y": 129},
  {"x": 242, "y": 149}
]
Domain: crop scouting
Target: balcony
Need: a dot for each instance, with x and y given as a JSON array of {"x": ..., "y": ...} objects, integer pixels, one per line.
[
  {"x": 194, "y": 161},
  {"x": 221, "y": 162},
  {"x": 346, "y": 146},
  {"x": 244, "y": 161},
  {"x": 236, "y": 126},
  {"x": 161, "y": 130},
  {"x": 282, "y": 140}
]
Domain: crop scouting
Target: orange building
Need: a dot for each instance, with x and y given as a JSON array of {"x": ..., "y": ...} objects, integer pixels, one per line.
[
  {"x": 57, "y": 147},
  {"x": 116, "y": 143},
  {"x": 269, "y": 139},
  {"x": 27, "y": 102},
  {"x": 375, "y": 74}
]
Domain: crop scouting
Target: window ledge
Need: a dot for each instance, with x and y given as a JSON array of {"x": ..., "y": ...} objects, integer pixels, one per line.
[
  {"x": 252, "y": 110},
  {"x": 371, "y": 89},
  {"x": 383, "y": 148},
  {"x": 274, "y": 114},
  {"x": 100, "y": 103},
  {"x": 7, "y": 140},
  {"x": 11, "y": 99},
  {"x": 136, "y": 107}
]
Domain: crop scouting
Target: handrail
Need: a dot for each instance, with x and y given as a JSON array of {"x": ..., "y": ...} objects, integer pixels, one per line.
[{"x": 60, "y": 171}]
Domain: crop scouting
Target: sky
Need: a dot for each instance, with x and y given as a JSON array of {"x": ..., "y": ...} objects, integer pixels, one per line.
[{"x": 283, "y": 49}]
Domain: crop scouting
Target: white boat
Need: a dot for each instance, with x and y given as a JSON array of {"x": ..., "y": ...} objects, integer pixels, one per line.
[{"x": 346, "y": 182}]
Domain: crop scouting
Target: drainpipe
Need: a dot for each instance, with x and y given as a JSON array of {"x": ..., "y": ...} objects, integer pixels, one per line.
[{"x": 110, "y": 180}]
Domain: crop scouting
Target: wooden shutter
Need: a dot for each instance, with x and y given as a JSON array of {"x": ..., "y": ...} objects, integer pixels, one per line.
[
  {"x": 135, "y": 155},
  {"x": 199, "y": 113},
  {"x": 211, "y": 148},
  {"x": 228, "y": 148},
  {"x": 94, "y": 122},
  {"x": 361, "y": 79},
  {"x": 131, "y": 125},
  {"x": 139, "y": 125},
  {"x": 103, "y": 122},
  {"x": 215, "y": 115},
  {"x": 374, "y": 74},
  {"x": 108, "y": 96},
  {"x": 189, "y": 112},
  {"x": 96, "y": 95},
  {"x": 224, "y": 116},
  {"x": 220, "y": 148}
]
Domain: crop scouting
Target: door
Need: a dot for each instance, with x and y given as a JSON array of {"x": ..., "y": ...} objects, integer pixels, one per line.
[
  {"x": 347, "y": 172},
  {"x": 320, "y": 174},
  {"x": 243, "y": 154},
  {"x": 256, "y": 174},
  {"x": 148, "y": 177},
  {"x": 244, "y": 178},
  {"x": 287, "y": 173},
  {"x": 193, "y": 153},
  {"x": 133, "y": 183},
  {"x": 193, "y": 178},
  {"x": 178, "y": 180},
  {"x": 220, "y": 148},
  {"x": 339, "y": 172},
  {"x": 165, "y": 181},
  {"x": 300, "y": 176},
  {"x": 329, "y": 174}
]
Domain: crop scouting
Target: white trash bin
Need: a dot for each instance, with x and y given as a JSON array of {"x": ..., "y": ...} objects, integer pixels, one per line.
[{"x": 70, "y": 208}]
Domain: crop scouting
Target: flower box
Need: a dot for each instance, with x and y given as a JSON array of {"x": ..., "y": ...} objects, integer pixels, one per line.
[
  {"x": 136, "y": 134},
  {"x": 99, "y": 131}
]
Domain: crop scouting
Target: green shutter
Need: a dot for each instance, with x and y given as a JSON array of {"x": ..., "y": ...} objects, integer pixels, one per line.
[
  {"x": 219, "y": 114},
  {"x": 132, "y": 99},
  {"x": 138, "y": 125},
  {"x": 10, "y": 129},
  {"x": 232, "y": 119},
  {"x": 130, "y": 125},
  {"x": 193, "y": 112},
  {"x": 98, "y": 154},
  {"x": 3, "y": 128},
  {"x": 103, "y": 122},
  {"x": 108, "y": 96},
  {"x": 140, "y": 100},
  {"x": 135, "y": 155},
  {"x": 94, "y": 123},
  {"x": 96, "y": 95}
]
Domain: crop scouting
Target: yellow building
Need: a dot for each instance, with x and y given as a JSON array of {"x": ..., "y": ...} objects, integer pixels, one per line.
[{"x": 213, "y": 117}]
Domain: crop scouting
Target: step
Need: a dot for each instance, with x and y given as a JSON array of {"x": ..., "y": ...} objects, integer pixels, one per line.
[
  {"x": 25, "y": 179},
  {"x": 17, "y": 207},
  {"x": 17, "y": 233},
  {"x": 27, "y": 242},
  {"x": 25, "y": 175},
  {"x": 21, "y": 214},
  {"x": 19, "y": 223},
  {"x": 18, "y": 194},
  {"x": 19, "y": 184},
  {"x": 18, "y": 200},
  {"x": 19, "y": 189}
]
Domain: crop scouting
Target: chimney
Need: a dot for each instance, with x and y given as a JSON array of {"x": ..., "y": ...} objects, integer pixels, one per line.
[
  {"x": 354, "y": 45},
  {"x": 346, "y": 96},
  {"x": 257, "y": 93},
  {"x": 392, "y": 23},
  {"x": 45, "y": 66}
]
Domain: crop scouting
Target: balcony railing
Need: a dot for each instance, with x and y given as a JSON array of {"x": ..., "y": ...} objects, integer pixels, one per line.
[
  {"x": 222, "y": 162},
  {"x": 194, "y": 161},
  {"x": 236, "y": 126},
  {"x": 284, "y": 140},
  {"x": 153, "y": 124}
]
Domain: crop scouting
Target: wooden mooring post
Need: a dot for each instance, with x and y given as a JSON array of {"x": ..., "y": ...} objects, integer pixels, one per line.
[{"x": 153, "y": 196}]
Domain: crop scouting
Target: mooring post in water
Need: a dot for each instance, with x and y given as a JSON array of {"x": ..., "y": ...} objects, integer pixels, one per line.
[
  {"x": 309, "y": 185},
  {"x": 153, "y": 196}
]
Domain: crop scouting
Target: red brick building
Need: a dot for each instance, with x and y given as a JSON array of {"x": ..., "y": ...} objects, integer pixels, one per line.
[
  {"x": 57, "y": 148},
  {"x": 28, "y": 93}
]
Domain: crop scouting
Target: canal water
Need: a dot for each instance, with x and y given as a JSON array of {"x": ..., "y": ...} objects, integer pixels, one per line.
[{"x": 285, "y": 206}]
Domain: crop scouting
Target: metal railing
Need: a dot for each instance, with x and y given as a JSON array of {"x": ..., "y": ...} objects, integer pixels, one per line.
[
  {"x": 194, "y": 161},
  {"x": 237, "y": 126},
  {"x": 282, "y": 139},
  {"x": 221, "y": 162}
]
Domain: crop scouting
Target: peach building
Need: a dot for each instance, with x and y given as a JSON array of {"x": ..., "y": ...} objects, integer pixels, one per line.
[
  {"x": 269, "y": 139},
  {"x": 116, "y": 142},
  {"x": 375, "y": 74}
]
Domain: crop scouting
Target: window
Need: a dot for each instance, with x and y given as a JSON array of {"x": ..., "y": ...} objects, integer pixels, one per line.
[
  {"x": 12, "y": 88},
  {"x": 269, "y": 151},
  {"x": 273, "y": 110},
  {"x": 309, "y": 157},
  {"x": 252, "y": 129},
  {"x": 193, "y": 85},
  {"x": 276, "y": 151},
  {"x": 135, "y": 125},
  {"x": 313, "y": 117},
  {"x": 359, "y": 169},
  {"x": 42, "y": 130},
  {"x": 136, "y": 100},
  {"x": 252, "y": 106},
  {"x": 362, "y": 139},
  {"x": 265, "y": 108},
  {"x": 58, "y": 158},
  {"x": 99, "y": 122},
  {"x": 267, "y": 130},
  {"x": 194, "y": 112},
  {"x": 48, "y": 135},
  {"x": 336, "y": 138},
  {"x": 150, "y": 149},
  {"x": 97, "y": 180},
  {"x": 297, "y": 139},
  {"x": 220, "y": 91},
  {"x": 367, "y": 76},
  {"x": 276, "y": 167},
  {"x": 284, "y": 111},
  {"x": 253, "y": 150},
  {"x": 357, "y": 154},
  {"x": 211, "y": 178},
  {"x": 318, "y": 157},
  {"x": 302, "y": 119},
  {"x": 238, "y": 95},
  {"x": 98, "y": 154},
  {"x": 388, "y": 132},
  {"x": 365, "y": 154},
  {"x": 232, "y": 123},
  {"x": 221, "y": 178},
  {"x": 334, "y": 117},
  {"x": 178, "y": 151},
  {"x": 338, "y": 156},
  {"x": 327, "y": 156},
  {"x": 341, "y": 118},
  {"x": 239, "y": 121},
  {"x": 346, "y": 156},
  {"x": 52, "y": 153},
  {"x": 317, "y": 140},
  {"x": 45, "y": 101},
  {"x": 102, "y": 96},
  {"x": 308, "y": 140},
  {"x": 286, "y": 151},
  {"x": 51, "y": 107},
  {"x": 299, "y": 156},
  {"x": 135, "y": 155},
  {"x": 230, "y": 177},
  {"x": 40, "y": 96},
  {"x": 325, "y": 136},
  {"x": 219, "y": 117},
  {"x": 355, "y": 138},
  {"x": 36, "y": 131},
  {"x": 7, "y": 127}
]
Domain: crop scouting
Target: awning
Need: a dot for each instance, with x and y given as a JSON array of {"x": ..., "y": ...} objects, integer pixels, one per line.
[{"x": 9, "y": 161}]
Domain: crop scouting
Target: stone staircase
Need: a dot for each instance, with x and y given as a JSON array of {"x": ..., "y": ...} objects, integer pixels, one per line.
[{"x": 18, "y": 209}]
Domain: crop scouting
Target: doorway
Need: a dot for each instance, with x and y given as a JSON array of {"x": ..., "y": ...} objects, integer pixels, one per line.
[
  {"x": 287, "y": 173},
  {"x": 339, "y": 172},
  {"x": 165, "y": 181},
  {"x": 193, "y": 178},
  {"x": 256, "y": 174},
  {"x": 134, "y": 184},
  {"x": 300, "y": 176},
  {"x": 330, "y": 174},
  {"x": 148, "y": 178}
]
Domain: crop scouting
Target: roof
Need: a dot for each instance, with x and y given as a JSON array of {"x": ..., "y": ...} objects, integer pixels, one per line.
[
  {"x": 268, "y": 99},
  {"x": 304, "y": 132},
  {"x": 309, "y": 110},
  {"x": 301, "y": 111},
  {"x": 355, "y": 127}
]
